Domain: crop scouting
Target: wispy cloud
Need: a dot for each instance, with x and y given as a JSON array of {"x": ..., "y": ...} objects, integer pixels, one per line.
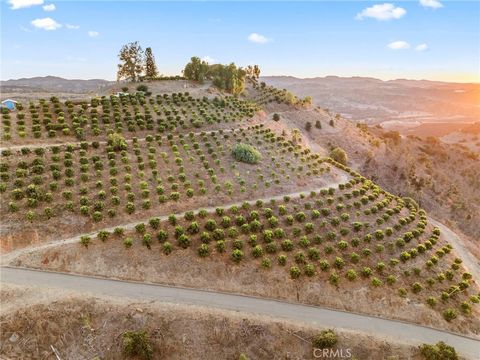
[
  {"x": 382, "y": 12},
  {"x": 258, "y": 39},
  {"x": 399, "y": 45},
  {"x": 434, "y": 4},
  {"x": 21, "y": 4},
  {"x": 46, "y": 24},
  {"x": 93, "y": 34},
  {"x": 49, "y": 7},
  {"x": 72, "y": 27},
  {"x": 209, "y": 59},
  {"x": 421, "y": 47}
]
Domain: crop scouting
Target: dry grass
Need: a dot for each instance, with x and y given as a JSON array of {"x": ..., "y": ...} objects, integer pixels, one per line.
[{"x": 85, "y": 328}]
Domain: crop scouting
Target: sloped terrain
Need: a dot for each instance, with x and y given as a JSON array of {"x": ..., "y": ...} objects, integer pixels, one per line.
[{"x": 230, "y": 194}]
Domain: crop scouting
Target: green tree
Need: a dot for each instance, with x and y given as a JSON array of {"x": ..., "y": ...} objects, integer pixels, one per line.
[
  {"x": 151, "y": 71},
  {"x": 196, "y": 70},
  {"x": 131, "y": 62}
]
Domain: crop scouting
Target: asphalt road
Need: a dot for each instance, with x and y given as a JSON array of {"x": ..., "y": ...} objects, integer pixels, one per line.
[{"x": 400, "y": 331}]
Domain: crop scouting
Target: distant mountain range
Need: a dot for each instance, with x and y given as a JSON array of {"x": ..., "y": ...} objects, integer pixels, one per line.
[{"x": 53, "y": 84}]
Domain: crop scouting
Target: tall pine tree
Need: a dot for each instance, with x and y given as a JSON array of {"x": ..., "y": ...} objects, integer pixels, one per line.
[{"x": 151, "y": 71}]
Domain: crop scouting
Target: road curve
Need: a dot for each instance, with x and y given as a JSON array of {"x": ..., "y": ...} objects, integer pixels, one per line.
[{"x": 401, "y": 331}]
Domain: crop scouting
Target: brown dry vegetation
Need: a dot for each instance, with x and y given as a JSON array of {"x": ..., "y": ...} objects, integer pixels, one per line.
[
  {"x": 442, "y": 178},
  {"x": 87, "y": 327}
]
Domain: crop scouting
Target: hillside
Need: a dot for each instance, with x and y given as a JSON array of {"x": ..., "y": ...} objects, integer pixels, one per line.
[
  {"x": 399, "y": 105},
  {"x": 189, "y": 186},
  {"x": 53, "y": 84}
]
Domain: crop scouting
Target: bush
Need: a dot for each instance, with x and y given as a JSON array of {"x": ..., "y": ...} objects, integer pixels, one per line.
[
  {"x": 137, "y": 343},
  {"x": 295, "y": 272},
  {"x": 449, "y": 314},
  {"x": 246, "y": 153},
  {"x": 339, "y": 155},
  {"x": 203, "y": 250},
  {"x": 237, "y": 255},
  {"x": 276, "y": 117},
  {"x": 117, "y": 141},
  {"x": 326, "y": 339},
  {"x": 439, "y": 351},
  {"x": 128, "y": 242},
  {"x": 85, "y": 240}
]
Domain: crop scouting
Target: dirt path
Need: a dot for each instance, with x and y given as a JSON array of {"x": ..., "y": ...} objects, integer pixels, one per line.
[
  {"x": 469, "y": 260},
  {"x": 77, "y": 143},
  {"x": 7, "y": 258},
  {"x": 312, "y": 315}
]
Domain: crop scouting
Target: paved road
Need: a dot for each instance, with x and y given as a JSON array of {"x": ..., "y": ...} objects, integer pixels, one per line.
[{"x": 401, "y": 331}]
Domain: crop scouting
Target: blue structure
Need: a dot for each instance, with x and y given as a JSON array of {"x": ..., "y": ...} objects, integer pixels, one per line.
[{"x": 9, "y": 104}]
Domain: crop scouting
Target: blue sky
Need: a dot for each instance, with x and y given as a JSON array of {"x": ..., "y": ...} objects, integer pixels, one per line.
[{"x": 425, "y": 39}]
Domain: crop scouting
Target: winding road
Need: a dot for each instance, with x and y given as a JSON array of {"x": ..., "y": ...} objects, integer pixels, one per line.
[{"x": 312, "y": 315}]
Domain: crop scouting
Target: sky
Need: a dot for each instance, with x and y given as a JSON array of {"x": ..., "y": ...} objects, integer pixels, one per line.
[{"x": 421, "y": 39}]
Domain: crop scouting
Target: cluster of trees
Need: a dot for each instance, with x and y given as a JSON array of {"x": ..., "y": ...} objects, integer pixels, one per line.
[
  {"x": 228, "y": 77},
  {"x": 135, "y": 63}
]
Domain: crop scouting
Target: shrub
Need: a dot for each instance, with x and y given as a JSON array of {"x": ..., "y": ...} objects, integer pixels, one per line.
[
  {"x": 295, "y": 272},
  {"x": 276, "y": 117},
  {"x": 339, "y": 155},
  {"x": 128, "y": 242},
  {"x": 438, "y": 351},
  {"x": 203, "y": 250},
  {"x": 167, "y": 248},
  {"x": 237, "y": 255},
  {"x": 246, "y": 153},
  {"x": 266, "y": 263},
  {"x": 183, "y": 241},
  {"x": 326, "y": 339},
  {"x": 85, "y": 240},
  {"x": 309, "y": 270},
  {"x": 449, "y": 314},
  {"x": 137, "y": 343}
]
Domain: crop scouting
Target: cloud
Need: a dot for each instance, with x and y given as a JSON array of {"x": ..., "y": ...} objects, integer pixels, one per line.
[
  {"x": 421, "y": 47},
  {"x": 72, "y": 27},
  {"x": 257, "y": 38},
  {"x": 20, "y": 4},
  {"x": 46, "y": 24},
  {"x": 49, "y": 7},
  {"x": 93, "y": 34},
  {"x": 434, "y": 4},
  {"x": 399, "y": 45},
  {"x": 382, "y": 12},
  {"x": 209, "y": 59}
]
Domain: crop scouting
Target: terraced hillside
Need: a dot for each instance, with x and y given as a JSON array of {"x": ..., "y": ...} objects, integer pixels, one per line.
[
  {"x": 238, "y": 204},
  {"x": 53, "y": 121}
]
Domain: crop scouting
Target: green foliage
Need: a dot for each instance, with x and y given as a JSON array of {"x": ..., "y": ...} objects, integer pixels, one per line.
[
  {"x": 137, "y": 343},
  {"x": 246, "y": 153},
  {"x": 326, "y": 339},
  {"x": 117, "y": 141},
  {"x": 196, "y": 70},
  {"x": 438, "y": 351},
  {"x": 339, "y": 155}
]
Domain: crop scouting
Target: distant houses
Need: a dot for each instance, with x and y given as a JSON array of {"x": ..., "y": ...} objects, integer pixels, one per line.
[{"x": 9, "y": 104}]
